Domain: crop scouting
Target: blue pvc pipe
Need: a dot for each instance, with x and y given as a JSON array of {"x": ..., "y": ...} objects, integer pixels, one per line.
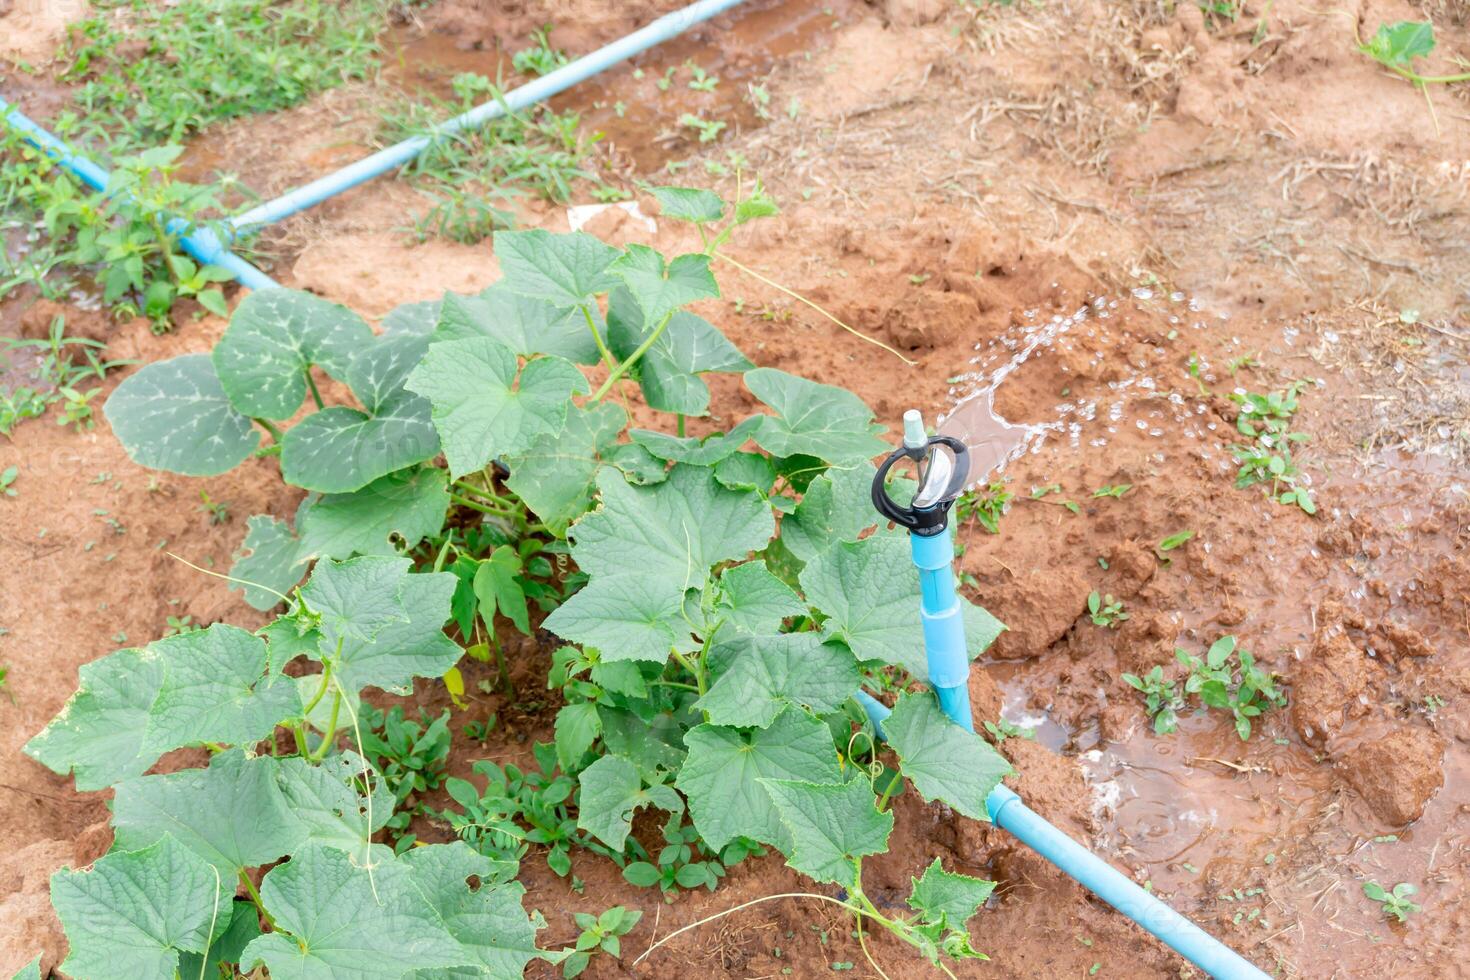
[
  {"x": 201, "y": 243},
  {"x": 667, "y": 26},
  {"x": 949, "y": 671}
]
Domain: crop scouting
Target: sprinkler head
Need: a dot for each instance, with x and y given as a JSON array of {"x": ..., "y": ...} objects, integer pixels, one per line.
[{"x": 943, "y": 465}]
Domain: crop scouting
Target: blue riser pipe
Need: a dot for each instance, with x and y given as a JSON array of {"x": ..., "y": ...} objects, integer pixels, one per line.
[
  {"x": 203, "y": 245},
  {"x": 309, "y": 195},
  {"x": 944, "y": 624}
]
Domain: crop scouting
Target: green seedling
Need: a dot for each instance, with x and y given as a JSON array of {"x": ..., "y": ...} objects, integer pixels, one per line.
[
  {"x": 1228, "y": 679},
  {"x": 479, "y": 731},
  {"x": 985, "y": 505},
  {"x": 412, "y": 757},
  {"x": 1041, "y": 493},
  {"x": 541, "y": 58},
  {"x": 1116, "y": 491},
  {"x": 683, "y": 862},
  {"x": 218, "y": 511},
  {"x": 1173, "y": 541},
  {"x": 708, "y": 129},
  {"x": 8, "y": 476},
  {"x": 1105, "y": 611},
  {"x": 600, "y": 933},
  {"x": 179, "y": 624},
  {"x": 702, "y": 80},
  {"x": 1396, "y": 46},
  {"x": 58, "y": 375},
  {"x": 1001, "y": 729},
  {"x": 1161, "y": 698},
  {"x": 759, "y": 97},
  {"x": 1395, "y": 903},
  {"x": 1267, "y": 459}
]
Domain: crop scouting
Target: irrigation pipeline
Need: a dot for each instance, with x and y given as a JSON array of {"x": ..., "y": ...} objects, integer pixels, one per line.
[{"x": 933, "y": 553}]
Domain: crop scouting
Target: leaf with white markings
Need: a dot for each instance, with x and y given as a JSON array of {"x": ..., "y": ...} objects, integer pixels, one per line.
[
  {"x": 174, "y": 415},
  {"x": 408, "y": 506},
  {"x": 340, "y": 449},
  {"x": 944, "y": 761},
  {"x": 482, "y": 409},
  {"x": 269, "y": 561},
  {"x": 274, "y": 338}
]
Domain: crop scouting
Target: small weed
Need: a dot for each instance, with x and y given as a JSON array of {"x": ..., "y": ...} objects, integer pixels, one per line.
[
  {"x": 1395, "y": 903},
  {"x": 180, "y": 624},
  {"x": 1432, "y": 702},
  {"x": 412, "y": 757},
  {"x": 58, "y": 378},
  {"x": 759, "y": 96},
  {"x": 1176, "y": 540},
  {"x": 1001, "y": 729},
  {"x": 479, "y": 731},
  {"x": 709, "y": 129},
  {"x": 1230, "y": 680},
  {"x": 1105, "y": 611},
  {"x": 218, "y": 511},
  {"x": 1161, "y": 698},
  {"x": 1267, "y": 459},
  {"x": 986, "y": 506},
  {"x": 702, "y": 81},
  {"x": 1041, "y": 493},
  {"x": 600, "y": 933},
  {"x": 8, "y": 476},
  {"x": 683, "y": 862},
  {"x": 1116, "y": 491},
  {"x": 541, "y": 58}
]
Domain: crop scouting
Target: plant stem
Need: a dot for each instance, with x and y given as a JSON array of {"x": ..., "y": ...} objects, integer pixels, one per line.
[
  {"x": 320, "y": 691},
  {"x": 167, "y": 248},
  {"x": 316, "y": 395},
  {"x": 500, "y": 666},
  {"x": 802, "y": 299},
  {"x": 607, "y": 355},
  {"x": 475, "y": 505},
  {"x": 321, "y": 750},
  {"x": 681, "y": 425},
  {"x": 270, "y": 427},
  {"x": 633, "y": 358},
  {"x": 685, "y": 662},
  {"x": 255, "y": 898}
]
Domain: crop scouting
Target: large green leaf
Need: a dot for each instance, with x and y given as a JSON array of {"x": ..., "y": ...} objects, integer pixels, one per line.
[
  {"x": 758, "y": 676},
  {"x": 869, "y": 589},
  {"x": 674, "y": 532},
  {"x": 133, "y": 912},
  {"x": 831, "y": 824},
  {"x": 655, "y": 745},
  {"x": 269, "y": 561},
  {"x": 755, "y": 601},
  {"x": 659, "y": 288},
  {"x": 98, "y": 735},
  {"x": 669, "y": 371},
  {"x": 556, "y": 476},
  {"x": 813, "y": 419},
  {"x": 612, "y": 791},
  {"x": 626, "y": 617},
  {"x": 403, "y": 650},
  {"x": 566, "y": 269},
  {"x": 231, "y": 814},
  {"x": 689, "y": 204},
  {"x": 340, "y": 449},
  {"x": 526, "y": 325},
  {"x": 480, "y": 408},
  {"x": 953, "y": 897},
  {"x": 409, "y": 504},
  {"x": 487, "y": 919},
  {"x": 215, "y": 689},
  {"x": 337, "y": 918},
  {"x": 274, "y": 338},
  {"x": 329, "y": 804},
  {"x": 173, "y": 415},
  {"x": 376, "y": 375},
  {"x": 721, "y": 777},
  {"x": 837, "y": 506},
  {"x": 356, "y": 599},
  {"x": 944, "y": 761}
]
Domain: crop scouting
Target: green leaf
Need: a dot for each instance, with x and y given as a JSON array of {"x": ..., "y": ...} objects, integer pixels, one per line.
[
  {"x": 1401, "y": 42},
  {"x": 555, "y": 477},
  {"x": 135, "y": 911},
  {"x": 215, "y": 689},
  {"x": 355, "y": 599},
  {"x": 813, "y": 419},
  {"x": 757, "y": 676},
  {"x": 173, "y": 415},
  {"x": 274, "y": 338},
  {"x": 952, "y": 898},
  {"x": 409, "y": 505},
  {"x": 655, "y": 746},
  {"x": 672, "y": 533},
  {"x": 98, "y": 734},
  {"x": 378, "y": 371},
  {"x": 626, "y": 617},
  {"x": 329, "y": 804},
  {"x": 479, "y": 409},
  {"x": 660, "y": 288},
  {"x": 244, "y": 926},
  {"x": 944, "y": 761},
  {"x": 637, "y": 464},
  {"x": 526, "y": 325},
  {"x": 830, "y": 825},
  {"x": 689, "y": 204},
  {"x": 417, "y": 318},
  {"x": 837, "y": 506},
  {"x": 612, "y": 791},
  {"x": 338, "y": 919},
  {"x": 270, "y": 556},
  {"x": 487, "y": 919},
  {"x": 669, "y": 371},
  {"x": 403, "y": 649},
  {"x": 31, "y": 971},
  {"x": 723, "y": 773},
  {"x": 748, "y": 471},
  {"x": 231, "y": 814},
  {"x": 567, "y": 269},
  {"x": 498, "y": 589},
  {"x": 700, "y": 452},
  {"x": 755, "y": 601},
  {"x": 577, "y": 727},
  {"x": 339, "y": 449}
]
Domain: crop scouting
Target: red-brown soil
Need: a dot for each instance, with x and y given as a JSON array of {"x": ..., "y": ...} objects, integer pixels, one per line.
[{"x": 960, "y": 185}]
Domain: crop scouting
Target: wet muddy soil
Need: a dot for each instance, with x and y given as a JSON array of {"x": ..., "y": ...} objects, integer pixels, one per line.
[{"x": 1058, "y": 208}]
